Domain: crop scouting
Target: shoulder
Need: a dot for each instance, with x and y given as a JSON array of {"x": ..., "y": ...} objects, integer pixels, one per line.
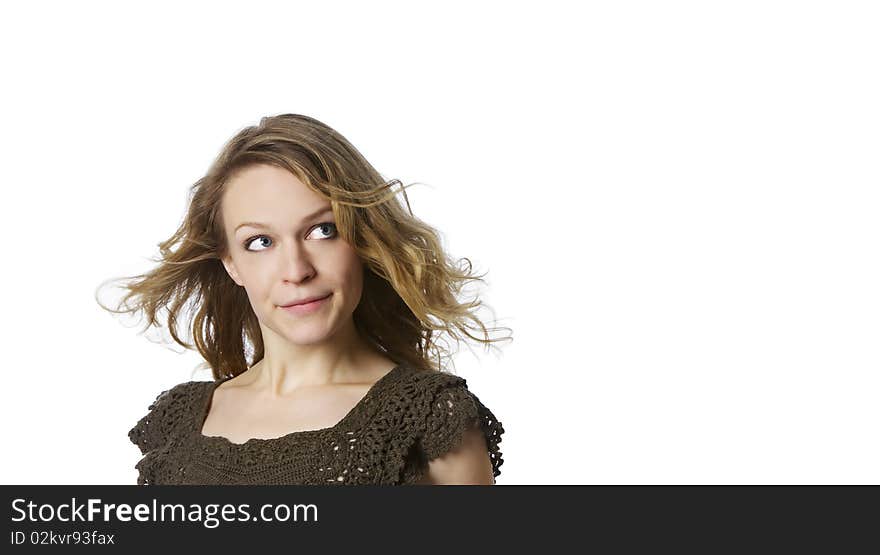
[
  {"x": 453, "y": 436},
  {"x": 179, "y": 396},
  {"x": 417, "y": 395},
  {"x": 165, "y": 413},
  {"x": 439, "y": 396},
  {"x": 417, "y": 383}
]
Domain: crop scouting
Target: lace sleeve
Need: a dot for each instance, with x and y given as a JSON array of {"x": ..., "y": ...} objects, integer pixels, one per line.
[
  {"x": 432, "y": 411},
  {"x": 454, "y": 409},
  {"x": 153, "y": 429}
]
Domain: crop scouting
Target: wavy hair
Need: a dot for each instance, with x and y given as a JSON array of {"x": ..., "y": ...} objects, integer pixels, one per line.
[{"x": 411, "y": 286}]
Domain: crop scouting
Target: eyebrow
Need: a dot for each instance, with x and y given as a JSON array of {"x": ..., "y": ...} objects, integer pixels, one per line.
[{"x": 311, "y": 216}]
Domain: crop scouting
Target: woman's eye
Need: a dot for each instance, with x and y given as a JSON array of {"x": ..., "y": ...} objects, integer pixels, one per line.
[
  {"x": 248, "y": 243},
  {"x": 324, "y": 227}
]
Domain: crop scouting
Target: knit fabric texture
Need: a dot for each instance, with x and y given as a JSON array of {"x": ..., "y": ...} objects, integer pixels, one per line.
[{"x": 406, "y": 418}]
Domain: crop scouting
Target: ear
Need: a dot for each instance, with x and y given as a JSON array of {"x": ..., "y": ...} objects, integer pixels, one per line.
[{"x": 230, "y": 269}]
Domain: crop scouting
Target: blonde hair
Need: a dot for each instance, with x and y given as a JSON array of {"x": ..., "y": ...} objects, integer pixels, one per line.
[{"x": 410, "y": 284}]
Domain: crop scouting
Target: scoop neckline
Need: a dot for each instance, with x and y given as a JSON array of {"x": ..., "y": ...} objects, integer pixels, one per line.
[{"x": 208, "y": 402}]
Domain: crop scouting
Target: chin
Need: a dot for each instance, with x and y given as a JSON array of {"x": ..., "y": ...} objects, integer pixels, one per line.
[{"x": 307, "y": 334}]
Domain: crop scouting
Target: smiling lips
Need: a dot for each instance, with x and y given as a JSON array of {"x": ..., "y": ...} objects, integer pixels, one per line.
[
  {"x": 307, "y": 305},
  {"x": 306, "y": 300}
]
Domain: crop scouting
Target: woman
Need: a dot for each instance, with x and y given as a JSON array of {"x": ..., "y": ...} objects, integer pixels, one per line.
[{"x": 296, "y": 250}]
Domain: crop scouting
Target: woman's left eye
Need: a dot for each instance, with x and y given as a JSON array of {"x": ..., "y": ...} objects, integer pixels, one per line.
[{"x": 325, "y": 225}]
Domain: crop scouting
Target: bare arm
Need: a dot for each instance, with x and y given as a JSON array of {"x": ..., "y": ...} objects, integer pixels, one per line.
[{"x": 467, "y": 464}]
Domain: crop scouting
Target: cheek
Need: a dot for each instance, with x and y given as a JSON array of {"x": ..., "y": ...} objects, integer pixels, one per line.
[
  {"x": 351, "y": 272},
  {"x": 256, "y": 284}
]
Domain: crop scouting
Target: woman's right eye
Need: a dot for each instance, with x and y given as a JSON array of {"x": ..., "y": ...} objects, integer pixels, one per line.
[{"x": 248, "y": 243}]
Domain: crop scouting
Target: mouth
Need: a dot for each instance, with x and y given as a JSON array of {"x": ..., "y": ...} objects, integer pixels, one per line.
[
  {"x": 306, "y": 301},
  {"x": 307, "y": 305}
]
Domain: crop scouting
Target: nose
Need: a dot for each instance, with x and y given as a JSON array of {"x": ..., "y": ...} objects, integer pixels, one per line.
[{"x": 296, "y": 264}]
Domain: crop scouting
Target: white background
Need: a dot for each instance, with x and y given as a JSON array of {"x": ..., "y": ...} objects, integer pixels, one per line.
[{"x": 676, "y": 204}]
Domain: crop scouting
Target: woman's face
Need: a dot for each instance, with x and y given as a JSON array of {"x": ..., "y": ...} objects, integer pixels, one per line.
[{"x": 292, "y": 256}]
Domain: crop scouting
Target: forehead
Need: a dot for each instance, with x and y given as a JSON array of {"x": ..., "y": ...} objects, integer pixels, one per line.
[{"x": 267, "y": 193}]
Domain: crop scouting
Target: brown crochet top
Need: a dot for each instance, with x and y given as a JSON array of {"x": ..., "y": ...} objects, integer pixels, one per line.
[{"x": 406, "y": 418}]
